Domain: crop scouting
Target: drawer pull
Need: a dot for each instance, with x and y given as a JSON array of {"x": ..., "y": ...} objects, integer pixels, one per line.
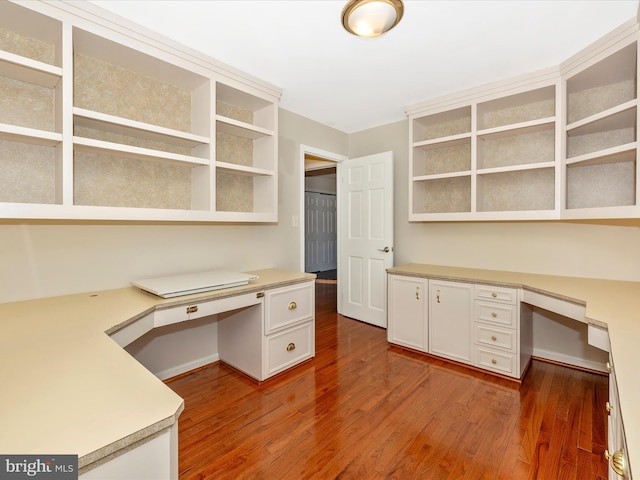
[
  {"x": 494, "y": 361},
  {"x": 609, "y": 367},
  {"x": 494, "y": 314},
  {"x": 494, "y": 338},
  {"x": 438, "y": 296},
  {"x": 617, "y": 462},
  {"x": 292, "y": 305},
  {"x": 608, "y": 407},
  {"x": 192, "y": 309},
  {"x": 417, "y": 293},
  {"x": 291, "y": 346},
  {"x": 494, "y": 294}
]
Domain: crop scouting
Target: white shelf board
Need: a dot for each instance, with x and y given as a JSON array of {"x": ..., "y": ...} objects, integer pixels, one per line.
[
  {"x": 89, "y": 144},
  {"x": 547, "y": 123},
  {"x": 516, "y": 168},
  {"x": 450, "y": 141},
  {"x": 242, "y": 169},
  {"x": 240, "y": 129},
  {"x": 133, "y": 128},
  {"x": 28, "y": 70},
  {"x": 620, "y": 116},
  {"x": 14, "y": 133},
  {"x": 247, "y": 217},
  {"x": 617, "y": 154},
  {"x": 441, "y": 176}
]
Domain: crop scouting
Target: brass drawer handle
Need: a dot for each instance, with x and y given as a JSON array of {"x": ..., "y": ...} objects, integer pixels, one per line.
[
  {"x": 292, "y": 305},
  {"x": 494, "y": 294},
  {"x": 438, "y": 296},
  {"x": 494, "y": 338},
  {"x": 192, "y": 309},
  {"x": 494, "y": 314},
  {"x": 417, "y": 293},
  {"x": 608, "y": 407},
  {"x": 291, "y": 346},
  {"x": 494, "y": 361},
  {"x": 617, "y": 462},
  {"x": 609, "y": 367}
]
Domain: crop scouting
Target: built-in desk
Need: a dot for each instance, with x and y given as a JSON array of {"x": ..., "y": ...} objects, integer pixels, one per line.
[
  {"x": 603, "y": 304},
  {"x": 68, "y": 387}
]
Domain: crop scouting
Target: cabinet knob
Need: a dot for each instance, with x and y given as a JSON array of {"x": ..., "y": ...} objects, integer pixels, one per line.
[
  {"x": 494, "y": 294},
  {"x": 617, "y": 462},
  {"x": 292, "y": 305},
  {"x": 494, "y": 361},
  {"x": 494, "y": 314},
  {"x": 291, "y": 346},
  {"x": 494, "y": 338}
]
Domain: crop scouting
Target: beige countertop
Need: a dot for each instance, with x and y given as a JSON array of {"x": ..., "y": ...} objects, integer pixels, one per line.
[
  {"x": 614, "y": 304},
  {"x": 67, "y": 387}
]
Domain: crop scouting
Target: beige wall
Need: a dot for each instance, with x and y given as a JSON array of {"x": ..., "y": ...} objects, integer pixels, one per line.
[
  {"x": 42, "y": 259},
  {"x": 599, "y": 251}
]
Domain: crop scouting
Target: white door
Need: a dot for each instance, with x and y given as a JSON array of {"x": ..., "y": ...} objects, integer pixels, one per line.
[
  {"x": 366, "y": 237},
  {"x": 450, "y": 319},
  {"x": 320, "y": 232}
]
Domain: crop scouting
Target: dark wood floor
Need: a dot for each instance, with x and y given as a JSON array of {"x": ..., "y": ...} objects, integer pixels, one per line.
[{"x": 365, "y": 410}]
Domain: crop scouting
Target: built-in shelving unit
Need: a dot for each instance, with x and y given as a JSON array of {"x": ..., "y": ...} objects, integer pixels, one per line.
[
  {"x": 559, "y": 143},
  {"x": 601, "y": 144},
  {"x": 100, "y": 122}
]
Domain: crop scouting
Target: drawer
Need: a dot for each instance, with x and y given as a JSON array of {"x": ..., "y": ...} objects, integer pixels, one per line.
[
  {"x": 497, "y": 294},
  {"x": 495, "y": 337},
  {"x": 287, "y": 306},
  {"x": 497, "y": 314},
  {"x": 500, "y": 362},
  {"x": 182, "y": 313},
  {"x": 289, "y": 347}
]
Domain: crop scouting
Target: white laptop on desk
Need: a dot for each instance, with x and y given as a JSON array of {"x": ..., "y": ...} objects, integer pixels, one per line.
[{"x": 186, "y": 284}]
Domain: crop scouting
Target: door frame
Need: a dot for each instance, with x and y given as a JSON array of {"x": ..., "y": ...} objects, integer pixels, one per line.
[{"x": 333, "y": 157}]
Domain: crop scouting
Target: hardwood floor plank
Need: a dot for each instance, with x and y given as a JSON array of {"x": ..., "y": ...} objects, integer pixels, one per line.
[{"x": 362, "y": 409}]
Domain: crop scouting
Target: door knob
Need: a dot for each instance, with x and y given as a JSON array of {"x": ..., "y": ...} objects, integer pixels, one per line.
[{"x": 385, "y": 249}]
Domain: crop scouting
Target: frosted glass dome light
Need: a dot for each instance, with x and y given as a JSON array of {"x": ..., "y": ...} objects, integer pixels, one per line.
[{"x": 371, "y": 18}]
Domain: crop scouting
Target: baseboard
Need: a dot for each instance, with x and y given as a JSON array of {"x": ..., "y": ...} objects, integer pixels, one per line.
[
  {"x": 186, "y": 367},
  {"x": 568, "y": 360}
]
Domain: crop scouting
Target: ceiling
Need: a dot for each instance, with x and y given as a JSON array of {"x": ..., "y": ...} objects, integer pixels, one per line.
[{"x": 352, "y": 83}]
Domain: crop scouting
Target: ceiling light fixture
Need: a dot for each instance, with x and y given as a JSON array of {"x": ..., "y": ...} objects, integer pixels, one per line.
[{"x": 371, "y": 18}]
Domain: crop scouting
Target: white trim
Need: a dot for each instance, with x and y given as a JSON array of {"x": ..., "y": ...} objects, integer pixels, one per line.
[
  {"x": 187, "y": 367},
  {"x": 326, "y": 155}
]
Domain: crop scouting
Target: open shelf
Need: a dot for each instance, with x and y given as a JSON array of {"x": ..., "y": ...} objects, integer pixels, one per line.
[
  {"x": 27, "y": 70},
  {"x": 519, "y": 190},
  {"x": 524, "y": 143},
  {"x": 442, "y": 195},
  {"x": 237, "y": 128},
  {"x": 441, "y": 125},
  {"x": 517, "y": 109},
  {"x": 444, "y": 157}
]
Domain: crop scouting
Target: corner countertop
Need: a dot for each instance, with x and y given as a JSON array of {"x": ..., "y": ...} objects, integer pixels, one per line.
[
  {"x": 609, "y": 303},
  {"x": 67, "y": 387}
]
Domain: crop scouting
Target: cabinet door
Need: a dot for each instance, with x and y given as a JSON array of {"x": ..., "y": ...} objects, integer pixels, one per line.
[
  {"x": 407, "y": 317},
  {"x": 450, "y": 319}
]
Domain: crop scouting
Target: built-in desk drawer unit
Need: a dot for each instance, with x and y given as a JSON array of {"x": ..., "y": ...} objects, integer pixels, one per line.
[
  {"x": 497, "y": 294},
  {"x": 288, "y": 306},
  {"x": 499, "y": 362}
]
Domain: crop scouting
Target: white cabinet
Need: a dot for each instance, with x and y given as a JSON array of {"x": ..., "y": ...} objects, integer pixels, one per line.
[
  {"x": 408, "y": 312},
  {"x": 266, "y": 341},
  {"x": 502, "y": 331},
  {"x": 97, "y": 124},
  {"x": 450, "y": 314},
  {"x": 616, "y": 453},
  {"x": 483, "y": 326}
]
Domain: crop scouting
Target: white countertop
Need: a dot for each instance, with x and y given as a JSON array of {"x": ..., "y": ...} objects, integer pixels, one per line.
[
  {"x": 67, "y": 387},
  {"x": 609, "y": 303}
]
